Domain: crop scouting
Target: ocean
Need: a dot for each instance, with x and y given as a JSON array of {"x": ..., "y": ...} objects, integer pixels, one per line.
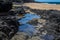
[
  {"x": 52, "y": 2},
  {"x": 49, "y": 2}
]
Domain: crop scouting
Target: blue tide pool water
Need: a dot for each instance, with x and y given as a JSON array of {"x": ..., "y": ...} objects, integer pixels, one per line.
[
  {"x": 48, "y": 37},
  {"x": 25, "y": 27},
  {"x": 28, "y": 29},
  {"x": 28, "y": 17}
]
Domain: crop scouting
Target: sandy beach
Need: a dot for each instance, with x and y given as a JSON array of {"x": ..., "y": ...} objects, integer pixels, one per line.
[{"x": 43, "y": 6}]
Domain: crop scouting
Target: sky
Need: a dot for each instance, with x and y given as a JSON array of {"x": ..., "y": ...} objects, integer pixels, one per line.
[{"x": 47, "y": 0}]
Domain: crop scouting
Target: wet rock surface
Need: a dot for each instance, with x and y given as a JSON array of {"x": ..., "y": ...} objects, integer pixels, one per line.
[
  {"x": 47, "y": 26},
  {"x": 51, "y": 25}
]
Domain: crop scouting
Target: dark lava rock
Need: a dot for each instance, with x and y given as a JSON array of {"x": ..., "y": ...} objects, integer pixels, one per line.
[{"x": 52, "y": 18}]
